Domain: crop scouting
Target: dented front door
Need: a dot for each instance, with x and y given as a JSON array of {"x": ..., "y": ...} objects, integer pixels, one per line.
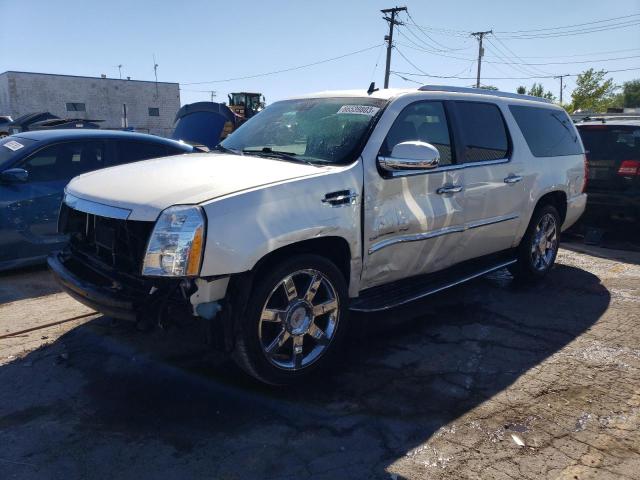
[{"x": 412, "y": 220}]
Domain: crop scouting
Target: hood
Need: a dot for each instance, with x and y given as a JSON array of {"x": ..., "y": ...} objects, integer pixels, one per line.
[{"x": 148, "y": 187}]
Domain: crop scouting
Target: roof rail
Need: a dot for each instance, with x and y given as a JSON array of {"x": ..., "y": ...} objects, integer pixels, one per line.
[{"x": 482, "y": 91}]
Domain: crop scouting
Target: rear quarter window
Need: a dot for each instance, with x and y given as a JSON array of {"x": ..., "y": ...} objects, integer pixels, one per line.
[
  {"x": 548, "y": 132},
  {"x": 132, "y": 151}
]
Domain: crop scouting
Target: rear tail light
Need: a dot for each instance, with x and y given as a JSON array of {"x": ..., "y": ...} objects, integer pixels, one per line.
[
  {"x": 629, "y": 168},
  {"x": 586, "y": 173}
]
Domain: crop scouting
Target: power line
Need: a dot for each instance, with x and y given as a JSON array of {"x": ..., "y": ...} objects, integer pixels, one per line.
[
  {"x": 505, "y": 59},
  {"x": 501, "y": 55},
  {"x": 571, "y": 26},
  {"x": 549, "y": 32},
  {"x": 508, "y": 50},
  {"x": 413, "y": 22},
  {"x": 511, "y": 78},
  {"x": 299, "y": 67},
  {"x": 569, "y": 33},
  {"x": 580, "y": 54}
]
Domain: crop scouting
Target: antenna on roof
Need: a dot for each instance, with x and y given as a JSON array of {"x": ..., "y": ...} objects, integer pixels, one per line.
[{"x": 372, "y": 88}]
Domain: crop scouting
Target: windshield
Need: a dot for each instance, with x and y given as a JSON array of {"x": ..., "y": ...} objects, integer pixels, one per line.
[
  {"x": 10, "y": 148},
  {"x": 325, "y": 130}
]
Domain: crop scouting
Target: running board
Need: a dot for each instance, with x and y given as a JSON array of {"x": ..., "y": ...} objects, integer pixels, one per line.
[{"x": 385, "y": 297}]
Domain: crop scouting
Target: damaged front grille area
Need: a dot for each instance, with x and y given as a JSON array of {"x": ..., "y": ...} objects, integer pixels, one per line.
[{"x": 120, "y": 244}]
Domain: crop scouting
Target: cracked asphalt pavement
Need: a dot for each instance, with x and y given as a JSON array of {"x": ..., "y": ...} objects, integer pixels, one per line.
[{"x": 488, "y": 380}]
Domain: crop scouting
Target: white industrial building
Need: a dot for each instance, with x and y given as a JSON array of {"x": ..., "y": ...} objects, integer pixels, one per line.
[{"x": 145, "y": 106}]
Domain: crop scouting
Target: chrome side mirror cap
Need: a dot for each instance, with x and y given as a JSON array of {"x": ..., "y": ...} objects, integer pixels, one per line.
[
  {"x": 413, "y": 155},
  {"x": 14, "y": 175}
]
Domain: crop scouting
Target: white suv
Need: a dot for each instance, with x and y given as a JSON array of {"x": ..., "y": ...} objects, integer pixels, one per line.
[{"x": 323, "y": 204}]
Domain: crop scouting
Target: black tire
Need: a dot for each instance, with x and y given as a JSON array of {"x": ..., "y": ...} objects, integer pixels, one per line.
[
  {"x": 268, "y": 286},
  {"x": 527, "y": 269}
]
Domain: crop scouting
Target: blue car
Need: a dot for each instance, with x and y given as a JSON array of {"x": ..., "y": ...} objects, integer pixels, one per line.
[{"x": 36, "y": 166}]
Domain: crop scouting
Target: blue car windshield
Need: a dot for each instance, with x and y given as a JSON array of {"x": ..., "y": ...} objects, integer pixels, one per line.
[
  {"x": 322, "y": 130},
  {"x": 10, "y": 148}
]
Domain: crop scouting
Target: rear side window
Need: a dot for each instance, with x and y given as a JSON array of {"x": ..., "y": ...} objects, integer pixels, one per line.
[
  {"x": 548, "y": 132},
  {"x": 484, "y": 134},
  {"x": 65, "y": 161},
  {"x": 134, "y": 151}
]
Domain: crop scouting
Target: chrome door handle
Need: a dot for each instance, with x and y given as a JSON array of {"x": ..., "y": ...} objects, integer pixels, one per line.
[
  {"x": 449, "y": 189},
  {"x": 513, "y": 179}
]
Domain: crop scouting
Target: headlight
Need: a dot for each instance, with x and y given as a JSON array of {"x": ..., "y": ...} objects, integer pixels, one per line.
[{"x": 176, "y": 243}]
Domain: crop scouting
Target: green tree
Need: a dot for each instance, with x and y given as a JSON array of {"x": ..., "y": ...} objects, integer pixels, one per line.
[
  {"x": 631, "y": 94},
  {"x": 488, "y": 87},
  {"x": 536, "y": 90},
  {"x": 593, "y": 91}
]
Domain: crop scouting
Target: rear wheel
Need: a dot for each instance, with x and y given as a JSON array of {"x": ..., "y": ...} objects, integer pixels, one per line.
[
  {"x": 539, "y": 246},
  {"x": 295, "y": 321}
]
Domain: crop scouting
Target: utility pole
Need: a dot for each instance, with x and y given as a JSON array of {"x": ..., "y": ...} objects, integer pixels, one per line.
[
  {"x": 480, "y": 36},
  {"x": 389, "y": 38},
  {"x": 213, "y": 94},
  {"x": 561, "y": 77},
  {"x": 155, "y": 72}
]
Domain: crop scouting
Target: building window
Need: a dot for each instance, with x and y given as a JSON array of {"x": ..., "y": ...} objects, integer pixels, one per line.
[
  {"x": 154, "y": 112},
  {"x": 76, "y": 107}
]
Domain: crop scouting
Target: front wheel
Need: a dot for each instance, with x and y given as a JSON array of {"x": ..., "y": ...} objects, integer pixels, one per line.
[
  {"x": 295, "y": 320},
  {"x": 539, "y": 246}
]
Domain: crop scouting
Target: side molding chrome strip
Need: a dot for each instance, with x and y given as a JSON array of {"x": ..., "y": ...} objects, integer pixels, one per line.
[
  {"x": 437, "y": 289},
  {"x": 417, "y": 237},
  {"x": 491, "y": 221},
  {"x": 446, "y": 168},
  {"x": 96, "y": 208}
]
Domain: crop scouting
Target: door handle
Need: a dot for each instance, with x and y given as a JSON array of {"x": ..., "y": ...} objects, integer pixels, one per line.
[
  {"x": 513, "y": 179},
  {"x": 449, "y": 189}
]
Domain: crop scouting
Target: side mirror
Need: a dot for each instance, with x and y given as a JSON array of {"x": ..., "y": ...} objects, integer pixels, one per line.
[
  {"x": 413, "y": 155},
  {"x": 14, "y": 175}
]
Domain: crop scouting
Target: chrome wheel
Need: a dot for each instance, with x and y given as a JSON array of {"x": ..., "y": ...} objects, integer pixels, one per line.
[
  {"x": 299, "y": 320},
  {"x": 544, "y": 243}
]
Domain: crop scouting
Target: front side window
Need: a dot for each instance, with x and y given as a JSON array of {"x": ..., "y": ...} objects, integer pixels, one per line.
[
  {"x": 323, "y": 130},
  {"x": 548, "y": 132},
  {"x": 484, "y": 134},
  {"x": 421, "y": 121},
  {"x": 76, "y": 107},
  {"x": 64, "y": 161}
]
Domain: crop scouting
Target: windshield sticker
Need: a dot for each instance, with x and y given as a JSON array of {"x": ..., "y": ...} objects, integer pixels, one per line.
[
  {"x": 13, "y": 145},
  {"x": 359, "y": 110}
]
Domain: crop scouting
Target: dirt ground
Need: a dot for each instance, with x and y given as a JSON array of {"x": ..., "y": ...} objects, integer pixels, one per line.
[{"x": 488, "y": 380}]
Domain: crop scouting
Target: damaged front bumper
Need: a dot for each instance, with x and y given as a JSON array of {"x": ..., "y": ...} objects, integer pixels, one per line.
[
  {"x": 93, "y": 288},
  {"x": 135, "y": 298}
]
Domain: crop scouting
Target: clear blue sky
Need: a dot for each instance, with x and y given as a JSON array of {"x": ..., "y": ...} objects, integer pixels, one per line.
[{"x": 200, "y": 40}]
